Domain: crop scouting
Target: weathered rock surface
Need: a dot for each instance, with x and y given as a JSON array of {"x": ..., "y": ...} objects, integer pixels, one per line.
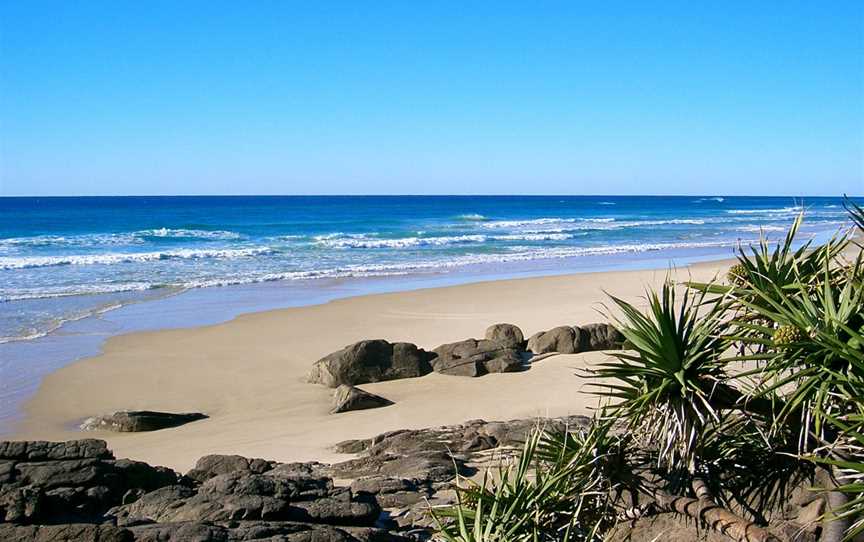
[
  {"x": 133, "y": 421},
  {"x": 600, "y": 337},
  {"x": 271, "y": 531},
  {"x": 562, "y": 339},
  {"x": 78, "y": 491},
  {"x": 573, "y": 339},
  {"x": 51, "y": 482},
  {"x": 506, "y": 335},
  {"x": 349, "y": 398},
  {"x": 78, "y": 532},
  {"x": 371, "y": 361},
  {"x": 213, "y": 465},
  {"x": 476, "y": 358}
]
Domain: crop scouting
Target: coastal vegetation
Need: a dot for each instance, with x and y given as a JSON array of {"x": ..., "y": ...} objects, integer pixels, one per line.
[{"x": 729, "y": 397}]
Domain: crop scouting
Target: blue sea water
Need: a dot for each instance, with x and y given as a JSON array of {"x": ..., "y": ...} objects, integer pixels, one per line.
[{"x": 76, "y": 270}]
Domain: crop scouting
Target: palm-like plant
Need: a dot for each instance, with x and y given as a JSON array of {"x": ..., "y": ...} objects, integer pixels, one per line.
[
  {"x": 815, "y": 359},
  {"x": 856, "y": 212},
  {"x": 663, "y": 385},
  {"x": 554, "y": 491},
  {"x": 766, "y": 272}
]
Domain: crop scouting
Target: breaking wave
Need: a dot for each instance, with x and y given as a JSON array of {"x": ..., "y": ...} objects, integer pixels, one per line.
[{"x": 29, "y": 262}]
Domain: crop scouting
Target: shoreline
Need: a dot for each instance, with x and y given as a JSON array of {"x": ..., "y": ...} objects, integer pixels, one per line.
[
  {"x": 248, "y": 374},
  {"x": 26, "y": 363}
]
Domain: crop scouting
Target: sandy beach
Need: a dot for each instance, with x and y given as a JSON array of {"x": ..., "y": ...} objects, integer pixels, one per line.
[{"x": 249, "y": 374}]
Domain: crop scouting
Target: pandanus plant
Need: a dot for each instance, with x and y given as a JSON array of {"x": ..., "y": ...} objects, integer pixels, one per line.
[{"x": 726, "y": 397}]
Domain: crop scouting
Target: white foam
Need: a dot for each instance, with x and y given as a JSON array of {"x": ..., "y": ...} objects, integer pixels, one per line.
[
  {"x": 531, "y": 222},
  {"x": 192, "y": 234},
  {"x": 782, "y": 210},
  {"x": 536, "y": 236},
  {"x": 360, "y": 241},
  {"x": 20, "y": 294},
  {"x": 27, "y": 262},
  {"x": 114, "y": 239},
  {"x": 568, "y": 224},
  {"x": 757, "y": 228},
  {"x": 56, "y": 324},
  {"x": 472, "y": 217}
]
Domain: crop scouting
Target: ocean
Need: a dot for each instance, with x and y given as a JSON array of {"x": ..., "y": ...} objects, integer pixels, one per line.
[{"x": 74, "y": 271}]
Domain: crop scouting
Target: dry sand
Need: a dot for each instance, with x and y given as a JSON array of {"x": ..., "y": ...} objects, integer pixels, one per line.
[{"x": 248, "y": 374}]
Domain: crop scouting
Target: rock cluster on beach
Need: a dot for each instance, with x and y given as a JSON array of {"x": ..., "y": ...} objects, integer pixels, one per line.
[{"x": 502, "y": 350}]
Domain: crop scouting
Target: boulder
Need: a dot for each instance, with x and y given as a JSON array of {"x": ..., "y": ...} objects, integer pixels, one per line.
[
  {"x": 40, "y": 450},
  {"x": 506, "y": 335},
  {"x": 79, "y": 532},
  {"x": 476, "y": 358},
  {"x": 69, "y": 482},
  {"x": 236, "y": 531},
  {"x": 600, "y": 337},
  {"x": 213, "y": 465},
  {"x": 276, "y": 495},
  {"x": 350, "y": 398},
  {"x": 134, "y": 421},
  {"x": 370, "y": 361},
  {"x": 562, "y": 339}
]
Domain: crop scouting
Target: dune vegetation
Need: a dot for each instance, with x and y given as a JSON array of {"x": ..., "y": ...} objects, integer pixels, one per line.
[{"x": 728, "y": 397}]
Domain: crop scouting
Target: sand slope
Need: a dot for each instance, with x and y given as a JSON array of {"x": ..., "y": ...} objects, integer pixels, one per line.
[{"x": 248, "y": 374}]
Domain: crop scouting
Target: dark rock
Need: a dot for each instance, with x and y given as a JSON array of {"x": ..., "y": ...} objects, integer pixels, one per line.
[
  {"x": 350, "y": 398},
  {"x": 69, "y": 482},
  {"x": 213, "y": 465},
  {"x": 134, "y": 421},
  {"x": 72, "y": 532},
  {"x": 40, "y": 450},
  {"x": 476, "y": 358},
  {"x": 237, "y": 531},
  {"x": 354, "y": 446},
  {"x": 600, "y": 337},
  {"x": 287, "y": 492},
  {"x": 506, "y": 335},
  {"x": 370, "y": 361},
  {"x": 390, "y": 492},
  {"x": 562, "y": 339}
]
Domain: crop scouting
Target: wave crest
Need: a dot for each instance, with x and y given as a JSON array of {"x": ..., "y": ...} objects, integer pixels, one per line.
[{"x": 30, "y": 262}]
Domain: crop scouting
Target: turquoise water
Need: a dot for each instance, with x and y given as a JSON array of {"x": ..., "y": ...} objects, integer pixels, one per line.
[{"x": 74, "y": 271}]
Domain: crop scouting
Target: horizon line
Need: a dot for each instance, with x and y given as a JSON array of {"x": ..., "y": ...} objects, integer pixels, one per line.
[{"x": 10, "y": 196}]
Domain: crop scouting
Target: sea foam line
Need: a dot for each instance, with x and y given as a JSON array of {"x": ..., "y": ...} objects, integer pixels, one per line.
[
  {"x": 118, "y": 238},
  {"x": 29, "y": 262},
  {"x": 782, "y": 210}
]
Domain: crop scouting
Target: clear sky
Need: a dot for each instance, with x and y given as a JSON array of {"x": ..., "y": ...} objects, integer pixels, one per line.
[{"x": 404, "y": 97}]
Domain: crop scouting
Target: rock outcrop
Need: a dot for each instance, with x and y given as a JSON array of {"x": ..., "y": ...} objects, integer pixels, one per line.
[
  {"x": 600, "y": 337},
  {"x": 370, "y": 361},
  {"x": 133, "y": 421},
  {"x": 77, "y": 490},
  {"x": 562, "y": 339},
  {"x": 69, "y": 482},
  {"x": 506, "y": 335},
  {"x": 576, "y": 339},
  {"x": 348, "y": 398},
  {"x": 476, "y": 358}
]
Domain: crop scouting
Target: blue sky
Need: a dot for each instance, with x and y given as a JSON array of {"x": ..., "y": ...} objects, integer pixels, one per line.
[{"x": 122, "y": 97}]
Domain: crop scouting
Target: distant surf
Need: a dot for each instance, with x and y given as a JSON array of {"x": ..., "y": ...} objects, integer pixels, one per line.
[{"x": 63, "y": 259}]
